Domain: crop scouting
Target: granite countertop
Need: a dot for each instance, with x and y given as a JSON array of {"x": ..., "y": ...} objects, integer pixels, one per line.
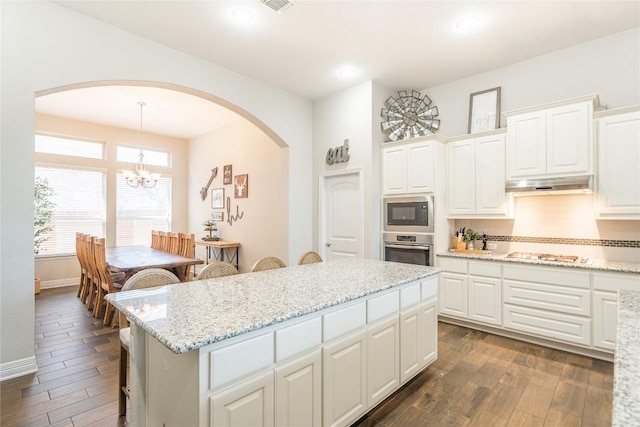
[
  {"x": 190, "y": 315},
  {"x": 626, "y": 381},
  {"x": 597, "y": 264}
]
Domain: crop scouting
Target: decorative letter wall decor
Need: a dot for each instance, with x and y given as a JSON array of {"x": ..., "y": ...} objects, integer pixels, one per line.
[
  {"x": 338, "y": 154},
  {"x": 232, "y": 218}
]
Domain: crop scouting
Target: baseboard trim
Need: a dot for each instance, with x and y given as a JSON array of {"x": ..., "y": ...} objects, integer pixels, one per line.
[
  {"x": 18, "y": 368},
  {"x": 60, "y": 283}
]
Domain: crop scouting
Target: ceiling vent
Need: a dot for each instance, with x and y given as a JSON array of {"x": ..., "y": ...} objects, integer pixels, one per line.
[{"x": 279, "y": 6}]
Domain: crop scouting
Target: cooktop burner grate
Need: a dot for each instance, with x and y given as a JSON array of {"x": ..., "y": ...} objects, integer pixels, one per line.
[{"x": 543, "y": 257}]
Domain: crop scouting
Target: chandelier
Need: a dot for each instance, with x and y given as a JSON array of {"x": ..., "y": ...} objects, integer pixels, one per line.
[{"x": 141, "y": 177}]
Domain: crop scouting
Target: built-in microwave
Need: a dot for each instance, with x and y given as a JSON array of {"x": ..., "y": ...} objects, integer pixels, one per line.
[{"x": 414, "y": 214}]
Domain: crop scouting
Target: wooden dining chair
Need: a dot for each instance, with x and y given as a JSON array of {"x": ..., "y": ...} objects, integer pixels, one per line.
[
  {"x": 162, "y": 241},
  {"x": 173, "y": 243},
  {"x": 155, "y": 240},
  {"x": 268, "y": 263},
  {"x": 92, "y": 273},
  {"x": 149, "y": 278},
  {"x": 217, "y": 269},
  {"x": 309, "y": 258},
  {"x": 83, "y": 267},
  {"x": 107, "y": 282},
  {"x": 187, "y": 248}
]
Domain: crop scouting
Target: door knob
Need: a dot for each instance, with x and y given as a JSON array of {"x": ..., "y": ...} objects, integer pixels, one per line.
[{"x": 328, "y": 244}]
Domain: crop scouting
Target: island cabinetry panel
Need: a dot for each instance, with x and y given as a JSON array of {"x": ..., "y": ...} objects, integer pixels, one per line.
[
  {"x": 605, "y": 305},
  {"x": 299, "y": 391},
  {"x": 383, "y": 359},
  {"x": 618, "y": 183},
  {"x": 553, "y": 141},
  {"x": 250, "y": 403},
  {"x": 476, "y": 177},
  {"x": 408, "y": 168}
]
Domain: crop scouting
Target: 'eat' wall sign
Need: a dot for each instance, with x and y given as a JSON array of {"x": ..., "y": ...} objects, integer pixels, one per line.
[{"x": 338, "y": 154}]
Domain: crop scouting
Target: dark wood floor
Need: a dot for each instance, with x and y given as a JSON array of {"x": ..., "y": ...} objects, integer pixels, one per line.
[{"x": 479, "y": 379}]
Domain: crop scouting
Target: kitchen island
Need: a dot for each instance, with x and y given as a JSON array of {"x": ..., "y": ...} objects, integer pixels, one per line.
[{"x": 317, "y": 344}]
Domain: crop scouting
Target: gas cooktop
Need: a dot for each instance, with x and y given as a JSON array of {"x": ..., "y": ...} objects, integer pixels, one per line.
[{"x": 546, "y": 257}]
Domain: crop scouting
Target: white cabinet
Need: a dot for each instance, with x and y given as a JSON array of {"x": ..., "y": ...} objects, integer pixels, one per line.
[
  {"x": 554, "y": 140},
  {"x": 409, "y": 167},
  {"x": 454, "y": 294},
  {"x": 618, "y": 183},
  {"x": 383, "y": 354},
  {"x": 485, "y": 299},
  {"x": 344, "y": 380},
  {"x": 247, "y": 404},
  {"x": 299, "y": 391},
  {"x": 476, "y": 177}
]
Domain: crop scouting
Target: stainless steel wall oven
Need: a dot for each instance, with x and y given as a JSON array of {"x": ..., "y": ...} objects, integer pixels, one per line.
[{"x": 408, "y": 248}]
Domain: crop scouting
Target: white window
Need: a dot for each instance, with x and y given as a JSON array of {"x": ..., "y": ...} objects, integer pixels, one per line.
[
  {"x": 151, "y": 157},
  {"x": 69, "y": 147},
  {"x": 140, "y": 210},
  {"x": 79, "y": 207}
]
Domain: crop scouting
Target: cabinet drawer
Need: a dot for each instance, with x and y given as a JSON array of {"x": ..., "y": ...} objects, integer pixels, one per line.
[
  {"x": 491, "y": 269},
  {"x": 453, "y": 265},
  {"x": 342, "y": 321},
  {"x": 552, "y": 276},
  {"x": 548, "y": 297},
  {"x": 557, "y": 326},
  {"x": 383, "y": 306},
  {"x": 429, "y": 288},
  {"x": 409, "y": 296},
  {"x": 239, "y": 360},
  {"x": 298, "y": 338},
  {"x": 615, "y": 282}
]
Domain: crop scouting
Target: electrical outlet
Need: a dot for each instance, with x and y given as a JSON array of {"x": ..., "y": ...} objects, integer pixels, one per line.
[{"x": 492, "y": 246}]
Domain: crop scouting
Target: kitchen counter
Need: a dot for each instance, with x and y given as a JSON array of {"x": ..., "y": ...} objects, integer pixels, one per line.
[
  {"x": 191, "y": 315},
  {"x": 626, "y": 385},
  {"x": 602, "y": 265}
]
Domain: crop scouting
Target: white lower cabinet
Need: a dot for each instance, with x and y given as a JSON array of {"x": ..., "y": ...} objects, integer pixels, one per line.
[
  {"x": 344, "y": 380},
  {"x": 383, "y": 354},
  {"x": 605, "y": 319},
  {"x": 418, "y": 339},
  {"x": 485, "y": 299},
  {"x": 454, "y": 291},
  {"x": 299, "y": 391},
  {"x": 250, "y": 403}
]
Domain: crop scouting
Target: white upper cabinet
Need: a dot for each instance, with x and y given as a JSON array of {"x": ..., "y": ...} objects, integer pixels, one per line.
[
  {"x": 409, "y": 167},
  {"x": 618, "y": 183},
  {"x": 555, "y": 140},
  {"x": 476, "y": 177}
]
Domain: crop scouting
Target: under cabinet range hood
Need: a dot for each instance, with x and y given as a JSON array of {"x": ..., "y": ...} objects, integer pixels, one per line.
[{"x": 549, "y": 186}]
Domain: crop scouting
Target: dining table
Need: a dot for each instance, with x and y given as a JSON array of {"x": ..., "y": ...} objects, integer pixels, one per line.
[{"x": 131, "y": 259}]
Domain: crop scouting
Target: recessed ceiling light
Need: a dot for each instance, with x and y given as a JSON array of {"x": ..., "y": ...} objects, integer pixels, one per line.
[
  {"x": 347, "y": 72},
  {"x": 241, "y": 14},
  {"x": 468, "y": 23}
]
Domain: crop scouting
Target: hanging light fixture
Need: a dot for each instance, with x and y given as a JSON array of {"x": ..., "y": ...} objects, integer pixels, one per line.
[{"x": 141, "y": 177}]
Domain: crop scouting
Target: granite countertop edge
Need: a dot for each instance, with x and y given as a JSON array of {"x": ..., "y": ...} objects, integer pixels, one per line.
[
  {"x": 178, "y": 344},
  {"x": 600, "y": 265}
]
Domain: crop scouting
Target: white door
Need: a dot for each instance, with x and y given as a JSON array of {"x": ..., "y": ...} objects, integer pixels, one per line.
[{"x": 342, "y": 217}]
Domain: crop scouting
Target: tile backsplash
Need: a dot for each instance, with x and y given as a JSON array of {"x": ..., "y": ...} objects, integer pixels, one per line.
[{"x": 561, "y": 224}]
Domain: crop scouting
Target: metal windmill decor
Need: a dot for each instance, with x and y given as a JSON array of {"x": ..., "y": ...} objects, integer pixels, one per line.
[{"x": 409, "y": 115}]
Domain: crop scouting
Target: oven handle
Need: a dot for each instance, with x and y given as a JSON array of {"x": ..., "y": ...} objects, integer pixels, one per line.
[{"x": 419, "y": 247}]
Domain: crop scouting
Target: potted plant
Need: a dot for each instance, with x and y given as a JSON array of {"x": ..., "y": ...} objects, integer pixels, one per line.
[
  {"x": 470, "y": 236},
  {"x": 42, "y": 216}
]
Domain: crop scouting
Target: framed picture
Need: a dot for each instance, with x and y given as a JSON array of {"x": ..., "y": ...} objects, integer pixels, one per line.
[
  {"x": 217, "y": 216},
  {"x": 484, "y": 110},
  {"x": 217, "y": 198},
  {"x": 226, "y": 179},
  {"x": 241, "y": 186}
]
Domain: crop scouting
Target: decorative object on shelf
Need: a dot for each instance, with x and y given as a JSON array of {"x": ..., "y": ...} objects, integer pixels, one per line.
[
  {"x": 204, "y": 190},
  {"x": 227, "y": 177},
  {"x": 141, "y": 177},
  {"x": 217, "y": 198},
  {"x": 484, "y": 110},
  {"x": 409, "y": 116},
  {"x": 241, "y": 186},
  {"x": 217, "y": 216},
  {"x": 339, "y": 154},
  {"x": 233, "y": 218},
  {"x": 210, "y": 226}
]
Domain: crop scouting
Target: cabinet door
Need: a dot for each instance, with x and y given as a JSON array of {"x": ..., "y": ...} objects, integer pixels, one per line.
[
  {"x": 485, "y": 300},
  {"x": 428, "y": 332},
  {"x": 247, "y": 404},
  {"x": 569, "y": 139},
  {"x": 462, "y": 171},
  {"x": 618, "y": 172},
  {"x": 394, "y": 169},
  {"x": 410, "y": 362},
  {"x": 299, "y": 392},
  {"x": 490, "y": 175},
  {"x": 383, "y": 352},
  {"x": 605, "y": 319},
  {"x": 344, "y": 380},
  {"x": 526, "y": 145},
  {"x": 420, "y": 168},
  {"x": 453, "y": 294}
]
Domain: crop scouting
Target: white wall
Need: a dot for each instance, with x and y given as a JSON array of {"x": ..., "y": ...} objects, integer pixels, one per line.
[
  {"x": 45, "y": 46},
  {"x": 609, "y": 66},
  {"x": 262, "y": 230}
]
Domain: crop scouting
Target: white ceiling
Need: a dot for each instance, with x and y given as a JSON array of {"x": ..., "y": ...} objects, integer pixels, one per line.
[{"x": 400, "y": 44}]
